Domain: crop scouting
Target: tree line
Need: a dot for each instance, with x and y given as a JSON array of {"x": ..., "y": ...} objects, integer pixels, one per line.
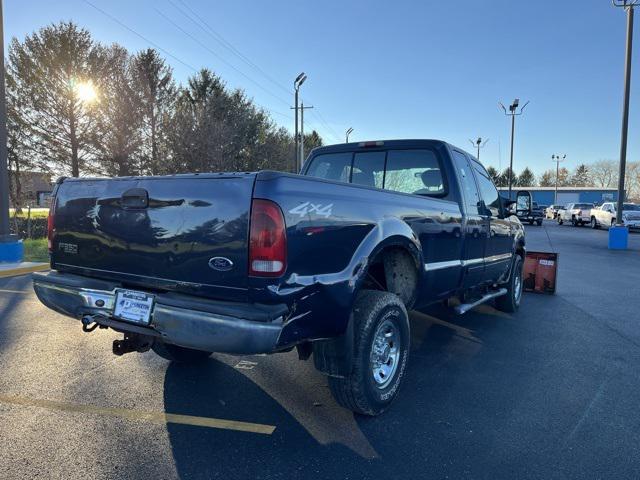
[
  {"x": 600, "y": 174},
  {"x": 77, "y": 107}
]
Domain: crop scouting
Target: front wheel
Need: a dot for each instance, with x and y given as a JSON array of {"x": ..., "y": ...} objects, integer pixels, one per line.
[
  {"x": 175, "y": 353},
  {"x": 560, "y": 220},
  {"x": 380, "y": 353},
  {"x": 594, "y": 223},
  {"x": 510, "y": 302}
]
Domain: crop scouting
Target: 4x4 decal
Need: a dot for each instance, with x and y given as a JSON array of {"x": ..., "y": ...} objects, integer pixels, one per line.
[{"x": 308, "y": 208}]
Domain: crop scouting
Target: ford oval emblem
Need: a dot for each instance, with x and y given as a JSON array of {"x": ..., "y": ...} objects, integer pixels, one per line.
[{"x": 222, "y": 264}]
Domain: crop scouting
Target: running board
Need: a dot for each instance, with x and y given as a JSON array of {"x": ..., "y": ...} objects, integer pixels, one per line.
[{"x": 465, "y": 307}]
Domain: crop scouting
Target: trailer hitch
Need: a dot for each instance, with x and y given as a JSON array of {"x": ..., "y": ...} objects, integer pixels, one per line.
[{"x": 132, "y": 342}]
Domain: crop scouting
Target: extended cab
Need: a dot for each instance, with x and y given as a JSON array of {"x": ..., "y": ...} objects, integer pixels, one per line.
[
  {"x": 605, "y": 215},
  {"x": 327, "y": 262}
]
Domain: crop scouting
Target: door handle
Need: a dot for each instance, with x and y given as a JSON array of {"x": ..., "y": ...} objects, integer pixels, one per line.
[{"x": 135, "y": 198}]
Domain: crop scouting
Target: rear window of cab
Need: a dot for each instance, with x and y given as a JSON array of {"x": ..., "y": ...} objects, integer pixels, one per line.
[{"x": 414, "y": 171}]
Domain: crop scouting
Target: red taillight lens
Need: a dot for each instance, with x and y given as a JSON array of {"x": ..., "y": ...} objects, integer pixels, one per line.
[
  {"x": 51, "y": 224},
  {"x": 267, "y": 240}
]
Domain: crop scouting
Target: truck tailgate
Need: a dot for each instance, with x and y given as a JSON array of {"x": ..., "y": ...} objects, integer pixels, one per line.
[{"x": 183, "y": 233}]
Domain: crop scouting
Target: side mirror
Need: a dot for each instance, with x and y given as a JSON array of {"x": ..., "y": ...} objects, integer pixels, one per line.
[{"x": 523, "y": 203}]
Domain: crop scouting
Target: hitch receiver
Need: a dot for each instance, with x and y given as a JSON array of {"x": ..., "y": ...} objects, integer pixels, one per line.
[{"x": 132, "y": 342}]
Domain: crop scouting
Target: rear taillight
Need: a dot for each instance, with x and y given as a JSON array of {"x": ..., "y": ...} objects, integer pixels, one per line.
[
  {"x": 267, "y": 240},
  {"x": 51, "y": 227}
]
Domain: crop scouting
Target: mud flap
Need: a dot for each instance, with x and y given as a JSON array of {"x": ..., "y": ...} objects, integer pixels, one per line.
[{"x": 334, "y": 356}]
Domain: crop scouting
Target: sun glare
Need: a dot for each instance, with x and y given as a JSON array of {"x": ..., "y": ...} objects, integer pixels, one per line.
[{"x": 86, "y": 92}]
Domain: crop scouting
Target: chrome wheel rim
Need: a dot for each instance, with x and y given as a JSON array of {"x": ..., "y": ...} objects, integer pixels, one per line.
[
  {"x": 385, "y": 354},
  {"x": 517, "y": 286}
]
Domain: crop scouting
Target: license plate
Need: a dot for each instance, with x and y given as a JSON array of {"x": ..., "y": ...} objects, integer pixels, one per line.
[{"x": 133, "y": 306}]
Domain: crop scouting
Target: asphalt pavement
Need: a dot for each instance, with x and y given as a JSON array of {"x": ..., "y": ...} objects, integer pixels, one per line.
[{"x": 550, "y": 392}]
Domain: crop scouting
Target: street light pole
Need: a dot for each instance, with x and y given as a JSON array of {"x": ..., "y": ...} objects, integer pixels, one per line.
[
  {"x": 478, "y": 144},
  {"x": 297, "y": 83},
  {"x": 4, "y": 168},
  {"x": 628, "y": 5},
  {"x": 557, "y": 159},
  {"x": 347, "y": 133},
  {"x": 513, "y": 112}
]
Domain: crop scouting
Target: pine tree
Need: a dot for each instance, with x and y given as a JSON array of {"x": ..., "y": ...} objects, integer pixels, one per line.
[
  {"x": 494, "y": 175},
  {"x": 58, "y": 70},
  {"x": 527, "y": 178},
  {"x": 581, "y": 176}
]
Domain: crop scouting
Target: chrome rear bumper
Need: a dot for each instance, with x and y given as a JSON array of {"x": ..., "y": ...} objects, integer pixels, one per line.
[{"x": 177, "y": 319}]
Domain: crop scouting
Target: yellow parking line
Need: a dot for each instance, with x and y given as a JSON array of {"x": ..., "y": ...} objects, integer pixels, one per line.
[
  {"x": 148, "y": 416},
  {"x": 12, "y": 272}
]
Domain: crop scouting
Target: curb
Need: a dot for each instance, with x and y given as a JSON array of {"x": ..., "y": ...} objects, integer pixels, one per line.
[{"x": 12, "y": 272}]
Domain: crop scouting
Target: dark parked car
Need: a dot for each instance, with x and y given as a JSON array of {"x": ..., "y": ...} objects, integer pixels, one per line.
[
  {"x": 534, "y": 215},
  {"x": 327, "y": 262}
]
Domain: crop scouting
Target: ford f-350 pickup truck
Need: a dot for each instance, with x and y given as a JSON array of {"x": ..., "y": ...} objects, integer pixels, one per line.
[{"x": 328, "y": 261}]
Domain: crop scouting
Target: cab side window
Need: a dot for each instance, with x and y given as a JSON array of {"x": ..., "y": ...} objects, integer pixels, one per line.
[
  {"x": 469, "y": 188},
  {"x": 488, "y": 190}
]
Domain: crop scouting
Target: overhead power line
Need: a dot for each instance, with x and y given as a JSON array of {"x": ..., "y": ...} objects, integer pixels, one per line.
[
  {"x": 219, "y": 57},
  {"x": 205, "y": 27},
  {"x": 166, "y": 52}
]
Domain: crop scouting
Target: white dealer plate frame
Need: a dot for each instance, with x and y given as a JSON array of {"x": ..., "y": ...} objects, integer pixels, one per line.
[{"x": 133, "y": 306}]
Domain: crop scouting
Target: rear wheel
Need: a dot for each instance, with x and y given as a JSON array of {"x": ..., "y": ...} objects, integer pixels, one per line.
[
  {"x": 594, "y": 223},
  {"x": 380, "y": 353},
  {"x": 511, "y": 301},
  {"x": 559, "y": 220},
  {"x": 539, "y": 222},
  {"x": 574, "y": 222},
  {"x": 175, "y": 353}
]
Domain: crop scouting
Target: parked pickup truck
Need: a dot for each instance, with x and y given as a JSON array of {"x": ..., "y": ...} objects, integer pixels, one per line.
[
  {"x": 534, "y": 215},
  {"x": 578, "y": 214},
  {"x": 605, "y": 215},
  {"x": 327, "y": 262}
]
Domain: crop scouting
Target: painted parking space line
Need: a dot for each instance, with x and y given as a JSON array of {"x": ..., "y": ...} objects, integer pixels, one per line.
[
  {"x": 25, "y": 292},
  {"x": 13, "y": 272},
  {"x": 141, "y": 415}
]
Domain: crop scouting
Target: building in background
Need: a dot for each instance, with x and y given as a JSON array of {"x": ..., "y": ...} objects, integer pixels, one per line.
[
  {"x": 35, "y": 189},
  {"x": 546, "y": 195}
]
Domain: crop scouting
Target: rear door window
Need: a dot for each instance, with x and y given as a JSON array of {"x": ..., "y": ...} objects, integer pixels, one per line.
[
  {"x": 487, "y": 190},
  {"x": 414, "y": 171},
  {"x": 331, "y": 166},
  {"x": 469, "y": 188}
]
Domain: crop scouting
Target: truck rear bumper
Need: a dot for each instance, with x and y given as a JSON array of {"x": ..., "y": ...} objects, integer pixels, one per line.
[{"x": 196, "y": 323}]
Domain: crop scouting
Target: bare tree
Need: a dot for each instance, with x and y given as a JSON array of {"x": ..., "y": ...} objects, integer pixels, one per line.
[{"x": 604, "y": 173}]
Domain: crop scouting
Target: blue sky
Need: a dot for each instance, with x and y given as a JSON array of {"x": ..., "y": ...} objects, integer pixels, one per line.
[{"x": 401, "y": 69}]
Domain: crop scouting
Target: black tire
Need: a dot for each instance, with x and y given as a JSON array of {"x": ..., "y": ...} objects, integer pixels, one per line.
[
  {"x": 530, "y": 222},
  {"x": 574, "y": 222},
  {"x": 362, "y": 391},
  {"x": 175, "y": 353},
  {"x": 594, "y": 223},
  {"x": 539, "y": 222},
  {"x": 511, "y": 301}
]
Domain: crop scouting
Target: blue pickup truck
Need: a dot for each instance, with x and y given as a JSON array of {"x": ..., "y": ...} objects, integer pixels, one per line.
[{"x": 327, "y": 261}]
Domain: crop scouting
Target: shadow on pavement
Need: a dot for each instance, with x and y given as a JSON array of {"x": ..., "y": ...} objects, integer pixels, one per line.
[{"x": 444, "y": 350}]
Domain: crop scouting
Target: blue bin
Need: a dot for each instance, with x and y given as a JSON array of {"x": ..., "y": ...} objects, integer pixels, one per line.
[
  {"x": 618, "y": 238},
  {"x": 11, "y": 252}
]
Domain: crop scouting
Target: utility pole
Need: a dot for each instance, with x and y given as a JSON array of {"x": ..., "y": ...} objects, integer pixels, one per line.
[
  {"x": 513, "y": 112},
  {"x": 8, "y": 243},
  {"x": 302, "y": 107},
  {"x": 628, "y": 6},
  {"x": 297, "y": 83},
  {"x": 478, "y": 144},
  {"x": 557, "y": 159},
  {"x": 347, "y": 133}
]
